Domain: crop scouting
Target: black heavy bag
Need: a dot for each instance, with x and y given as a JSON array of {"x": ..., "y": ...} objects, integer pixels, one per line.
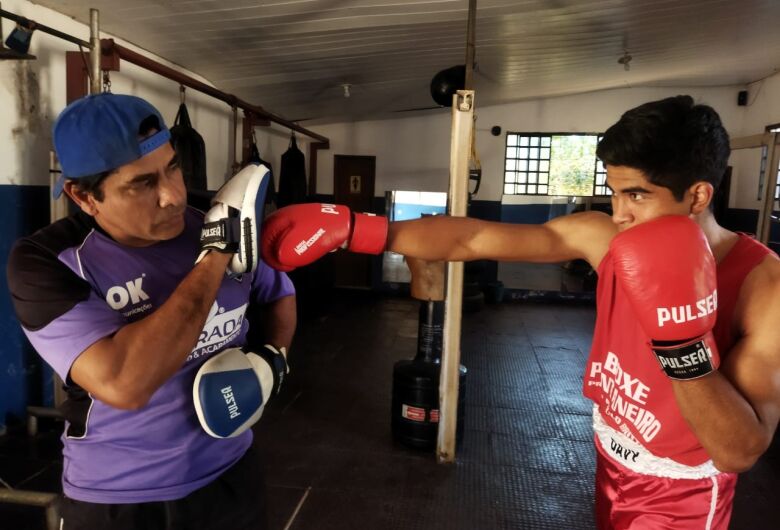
[
  {"x": 191, "y": 150},
  {"x": 254, "y": 158},
  {"x": 292, "y": 177},
  {"x": 445, "y": 83},
  {"x": 415, "y": 404}
]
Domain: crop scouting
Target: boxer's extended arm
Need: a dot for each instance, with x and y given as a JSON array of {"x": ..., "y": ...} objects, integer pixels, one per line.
[
  {"x": 124, "y": 370},
  {"x": 583, "y": 235},
  {"x": 734, "y": 411}
]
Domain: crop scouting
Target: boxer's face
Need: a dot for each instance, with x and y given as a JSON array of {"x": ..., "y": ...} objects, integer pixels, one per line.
[
  {"x": 636, "y": 200},
  {"x": 144, "y": 201}
]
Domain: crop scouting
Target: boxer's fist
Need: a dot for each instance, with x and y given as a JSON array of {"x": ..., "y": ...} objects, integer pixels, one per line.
[
  {"x": 667, "y": 270},
  {"x": 301, "y": 234}
]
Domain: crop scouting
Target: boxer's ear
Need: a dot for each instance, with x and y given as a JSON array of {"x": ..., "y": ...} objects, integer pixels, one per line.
[
  {"x": 701, "y": 194},
  {"x": 84, "y": 199}
]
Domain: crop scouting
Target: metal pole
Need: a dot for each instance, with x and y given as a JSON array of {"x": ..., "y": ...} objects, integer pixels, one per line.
[
  {"x": 460, "y": 142},
  {"x": 94, "y": 52},
  {"x": 153, "y": 66},
  {"x": 48, "y": 501},
  {"x": 470, "y": 44},
  {"x": 27, "y": 23},
  {"x": 234, "y": 162}
]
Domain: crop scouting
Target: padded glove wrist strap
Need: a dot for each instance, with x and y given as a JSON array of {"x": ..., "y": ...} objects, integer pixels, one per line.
[
  {"x": 222, "y": 235},
  {"x": 276, "y": 359},
  {"x": 688, "y": 360}
]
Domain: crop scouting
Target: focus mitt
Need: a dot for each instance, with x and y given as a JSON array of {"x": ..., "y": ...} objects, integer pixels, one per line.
[
  {"x": 232, "y": 388},
  {"x": 232, "y": 225}
]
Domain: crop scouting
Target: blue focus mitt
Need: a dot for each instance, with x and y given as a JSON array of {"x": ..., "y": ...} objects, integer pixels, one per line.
[{"x": 232, "y": 388}]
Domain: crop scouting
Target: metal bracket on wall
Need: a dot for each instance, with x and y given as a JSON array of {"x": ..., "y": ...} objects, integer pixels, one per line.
[{"x": 7, "y": 53}]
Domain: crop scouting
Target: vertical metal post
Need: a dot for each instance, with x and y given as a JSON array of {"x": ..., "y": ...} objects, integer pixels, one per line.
[
  {"x": 52, "y": 517},
  {"x": 58, "y": 209},
  {"x": 770, "y": 182},
  {"x": 460, "y": 142},
  {"x": 235, "y": 166},
  {"x": 94, "y": 53},
  {"x": 470, "y": 44}
]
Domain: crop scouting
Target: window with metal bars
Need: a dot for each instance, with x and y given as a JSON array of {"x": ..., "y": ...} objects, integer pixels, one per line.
[
  {"x": 601, "y": 189},
  {"x": 553, "y": 164},
  {"x": 527, "y": 167},
  {"x": 763, "y": 178},
  {"x": 777, "y": 185},
  {"x": 774, "y": 128}
]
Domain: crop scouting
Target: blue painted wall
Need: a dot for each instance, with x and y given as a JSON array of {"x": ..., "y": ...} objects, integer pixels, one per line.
[
  {"x": 531, "y": 213},
  {"x": 403, "y": 212},
  {"x": 23, "y": 380}
]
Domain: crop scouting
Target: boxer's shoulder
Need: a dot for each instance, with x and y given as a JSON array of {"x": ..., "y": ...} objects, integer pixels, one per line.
[
  {"x": 759, "y": 295},
  {"x": 590, "y": 232}
]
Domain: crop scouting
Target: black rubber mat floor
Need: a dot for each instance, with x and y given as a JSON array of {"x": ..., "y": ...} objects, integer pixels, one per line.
[
  {"x": 526, "y": 460},
  {"x": 527, "y": 457}
]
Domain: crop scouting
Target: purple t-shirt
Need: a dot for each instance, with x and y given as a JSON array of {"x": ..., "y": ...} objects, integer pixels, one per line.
[{"x": 72, "y": 285}]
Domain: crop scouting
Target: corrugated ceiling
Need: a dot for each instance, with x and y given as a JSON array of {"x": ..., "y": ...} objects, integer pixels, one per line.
[{"x": 294, "y": 57}]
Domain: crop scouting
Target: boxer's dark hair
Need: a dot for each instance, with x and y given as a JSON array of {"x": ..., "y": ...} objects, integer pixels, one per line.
[
  {"x": 93, "y": 183},
  {"x": 674, "y": 142}
]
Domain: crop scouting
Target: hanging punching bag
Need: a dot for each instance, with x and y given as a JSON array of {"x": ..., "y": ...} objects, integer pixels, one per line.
[
  {"x": 254, "y": 158},
  {"x": 445, "y": 83},
  {"x": 191, "y": 148},
  {"x": 292, "y": 176}
]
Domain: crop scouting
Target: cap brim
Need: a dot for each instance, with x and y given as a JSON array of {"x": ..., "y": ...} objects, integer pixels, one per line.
[{"x": 56, "y": 190}]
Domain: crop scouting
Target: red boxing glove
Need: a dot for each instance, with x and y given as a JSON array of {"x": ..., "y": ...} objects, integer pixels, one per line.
[
  {"x": 668, "y": 273},
  {"x": 301, "y": 234}
]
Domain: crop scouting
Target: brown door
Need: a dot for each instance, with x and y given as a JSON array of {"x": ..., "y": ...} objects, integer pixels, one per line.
[{"x": 353, "y": 186}]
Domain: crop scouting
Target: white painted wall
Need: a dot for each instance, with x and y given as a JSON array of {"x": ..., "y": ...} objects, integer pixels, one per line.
[
  {"x": 763, "y": 106},
  {"x": 413, "y": 152},
  {"x": 32, "y": 93}
]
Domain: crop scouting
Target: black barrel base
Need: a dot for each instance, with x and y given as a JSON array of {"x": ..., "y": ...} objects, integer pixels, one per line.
[{"x": 415, "y": 405}]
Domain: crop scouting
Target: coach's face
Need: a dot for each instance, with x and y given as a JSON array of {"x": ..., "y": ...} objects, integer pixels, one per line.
[
  {"x": 636, "y": 200},
  {"x": 144, "y": 201}
]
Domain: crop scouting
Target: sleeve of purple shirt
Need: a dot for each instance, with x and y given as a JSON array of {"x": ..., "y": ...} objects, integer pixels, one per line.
[
  {"x": 269, "y": 285},
  {"x": 66, "y": 337}
]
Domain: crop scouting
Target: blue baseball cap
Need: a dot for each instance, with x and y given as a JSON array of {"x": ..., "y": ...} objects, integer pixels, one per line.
[{"x": 100, "y": 132}]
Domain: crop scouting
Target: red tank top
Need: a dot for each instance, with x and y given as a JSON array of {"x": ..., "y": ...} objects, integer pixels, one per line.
[{"x": 622, "y": 375}]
